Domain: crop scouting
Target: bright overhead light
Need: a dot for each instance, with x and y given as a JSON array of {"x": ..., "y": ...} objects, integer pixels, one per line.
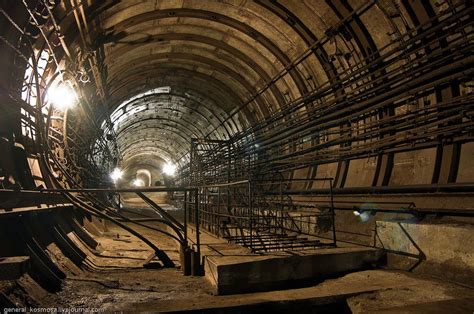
[
  {"x": 138, "y": 182},
  {"x": 62, "y": 96},
  {"x": 116, "y": 174},
  {"x": 169, "y": 169}
]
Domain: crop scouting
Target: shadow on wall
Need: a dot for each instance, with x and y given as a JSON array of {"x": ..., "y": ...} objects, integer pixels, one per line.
[{"x": 441, "y": 250}]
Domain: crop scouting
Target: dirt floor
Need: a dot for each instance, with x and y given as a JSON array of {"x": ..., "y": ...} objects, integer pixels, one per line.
[
  {"x": 167, "y": 290},
  {"x": 108, "y": 291},
  {"x": 120, "y": 278},
  {"x": 116, "y": 281}
]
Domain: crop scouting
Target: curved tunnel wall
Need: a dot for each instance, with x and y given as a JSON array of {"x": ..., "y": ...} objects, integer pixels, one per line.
[
  {"x": 375, "y": 94},
  {"x": 255, "y": 70}
]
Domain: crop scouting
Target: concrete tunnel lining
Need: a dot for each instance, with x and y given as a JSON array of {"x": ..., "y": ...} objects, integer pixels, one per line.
[{"x": 312, "y": 139}]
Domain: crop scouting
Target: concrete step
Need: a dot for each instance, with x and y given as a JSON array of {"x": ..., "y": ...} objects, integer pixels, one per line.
[
  {"x": 249, "y": 273},
  {"x": 12, "y": 268}
]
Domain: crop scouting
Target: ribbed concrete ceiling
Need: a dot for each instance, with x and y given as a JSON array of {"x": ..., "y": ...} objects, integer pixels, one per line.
[
  {"x": 212, "y": 55},
  {"x": 164, "y": 121}
]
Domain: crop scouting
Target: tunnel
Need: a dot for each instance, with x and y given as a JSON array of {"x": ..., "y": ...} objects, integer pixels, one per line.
[{"x": 237, "y": 156}]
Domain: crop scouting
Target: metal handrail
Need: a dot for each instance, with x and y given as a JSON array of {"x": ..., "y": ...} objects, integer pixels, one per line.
[
  {"x": 175, "y": 225},
  {"x": 249, "y": 212}
]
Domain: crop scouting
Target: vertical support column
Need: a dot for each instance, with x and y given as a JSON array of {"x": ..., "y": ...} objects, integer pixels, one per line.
[
  {"x": 447, "y": 168},
  {"x": 448, "y": 152},
  {"x": 341, "y": 173},
  {"x": 384, "y": 170}
]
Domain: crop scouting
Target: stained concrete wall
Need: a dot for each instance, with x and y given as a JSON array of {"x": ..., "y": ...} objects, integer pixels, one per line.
[{"x": 444, "y": 250}]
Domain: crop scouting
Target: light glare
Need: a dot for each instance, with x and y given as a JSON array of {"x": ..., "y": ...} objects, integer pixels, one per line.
[
  {"x": 169, "y": 169},
  {"x": 63, "y": 97},
  {"x": 138, "y": 183},
  {"x": 116, "y": 174}
]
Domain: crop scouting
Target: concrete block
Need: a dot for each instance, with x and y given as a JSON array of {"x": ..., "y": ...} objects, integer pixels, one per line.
[
  {"x": 240, "y": 274},
  {"x": 12, "y": 268}
]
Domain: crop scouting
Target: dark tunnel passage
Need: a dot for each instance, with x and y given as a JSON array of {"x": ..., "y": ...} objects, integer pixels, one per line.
[{"x": 304, "y": 156}]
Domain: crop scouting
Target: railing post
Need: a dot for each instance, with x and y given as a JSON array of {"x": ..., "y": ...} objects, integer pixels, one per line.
[
  {"x": 281, "y": 208},
  {"x": 228, "y": 177},
  {"x": 185, "y": 219},
  {"x": 185, "y": 254},
  {"x": 333, "y": 212},
  {"x": 250, "y": 215},
  {"x": 217, "y": 227},
  {"x": 198, "y": 241}
]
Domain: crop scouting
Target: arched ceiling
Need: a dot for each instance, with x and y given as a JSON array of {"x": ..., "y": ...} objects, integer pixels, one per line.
[{"x": 214, "y": 57}]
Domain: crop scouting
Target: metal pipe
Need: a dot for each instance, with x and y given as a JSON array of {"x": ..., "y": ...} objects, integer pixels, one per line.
[{"x": 421, "y": 188}]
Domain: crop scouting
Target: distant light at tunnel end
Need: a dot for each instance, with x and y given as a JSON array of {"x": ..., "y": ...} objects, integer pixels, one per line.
[
  {"x": 138, "y": 183},
  {"x": 169, "y": 169}
]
